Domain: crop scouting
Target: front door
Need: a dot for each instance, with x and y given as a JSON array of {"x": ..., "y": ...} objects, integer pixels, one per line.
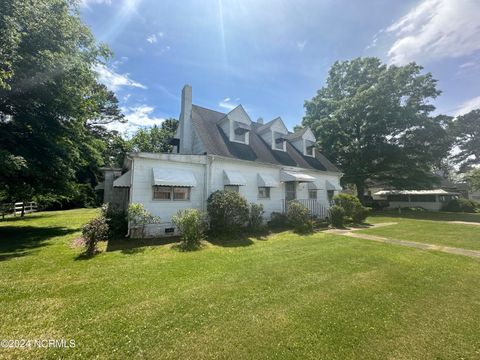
[{"x": 290, "y": 193}]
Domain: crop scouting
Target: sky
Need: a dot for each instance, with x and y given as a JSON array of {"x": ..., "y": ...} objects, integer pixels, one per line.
[{"x": 272, "y": 55}]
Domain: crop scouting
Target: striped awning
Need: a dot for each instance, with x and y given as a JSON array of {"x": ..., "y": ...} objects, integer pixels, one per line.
[
  {"x": 124, "y": 180},
  {"x": 332, "y": 186},
  {"x": 295, "y": 176},
  {"x": 233, "y": 178},
  {"x": 264, "y": 180},
  {"x": 314, "y": 186},
  {"x": 173, "y": 177}
]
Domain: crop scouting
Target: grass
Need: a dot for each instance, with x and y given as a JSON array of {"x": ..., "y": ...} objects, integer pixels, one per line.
[
  {"x": 432, "y": 229},
  {"x": 285, "y": 296}
]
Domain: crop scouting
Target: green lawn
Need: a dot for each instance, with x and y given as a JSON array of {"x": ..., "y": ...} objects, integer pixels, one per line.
[
  {"x": 286, "y": 296},
  {"x": 432, "y": 229}
]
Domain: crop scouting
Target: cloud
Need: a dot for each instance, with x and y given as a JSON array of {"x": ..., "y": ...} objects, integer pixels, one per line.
[
  {"x": 140, "y": 116},
  {"x": 87, "y": 3},
  {"x": 436, "y": 29},
  {"x": 468, "y": 106},
  {"x": 114, "y": 80},
  {"x": 301, "y": 45},
  {"x": 152, "y": 39},
  {"x": 228, "y": 104}
]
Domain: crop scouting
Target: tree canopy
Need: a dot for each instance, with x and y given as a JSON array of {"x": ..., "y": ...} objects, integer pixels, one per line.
[
  {"x": 374, "y": 121},
  {"x": 51, "y": 103},
  {"x": 466, "y": 132},
  {"x": 154, "y": 139}
]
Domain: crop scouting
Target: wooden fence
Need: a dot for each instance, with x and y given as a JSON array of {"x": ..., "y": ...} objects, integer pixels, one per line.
[{"x": 314, "y": 206}]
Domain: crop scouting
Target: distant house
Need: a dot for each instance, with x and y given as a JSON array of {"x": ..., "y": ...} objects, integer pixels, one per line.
[
  {"x": 427, "y": 199},
  {"x": 265, "y": 163}
]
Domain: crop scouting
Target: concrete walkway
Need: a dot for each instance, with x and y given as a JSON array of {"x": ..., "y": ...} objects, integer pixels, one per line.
[{"x": 446, "y": 249}]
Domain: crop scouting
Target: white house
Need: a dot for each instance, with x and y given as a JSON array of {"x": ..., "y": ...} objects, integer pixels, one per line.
[{"x": 265, "y": 163}]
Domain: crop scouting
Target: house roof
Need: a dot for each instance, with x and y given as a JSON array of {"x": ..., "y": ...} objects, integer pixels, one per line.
[
  {"x": 205, "y": 122},
  {"x": 415, "y": 192}
]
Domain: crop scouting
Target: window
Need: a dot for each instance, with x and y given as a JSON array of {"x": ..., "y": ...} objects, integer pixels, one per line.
[
  {"x": 310, "y": 150},
  {"x": 170, "y": 192},
  {"x": 240, "y": 136},
  {"x": 279, "y": 141},
  {"x": 162, "y": 193},
  {"x": 422, "y": 198},
  {"x": 264, "y": 193},
  {"x": 312, "y": 194},
  {"x": 181, "y": 193},
  {"x": 233, "y": 188},
  {"x": 290, "y": 193},
  {"x": 397, "y": 197},
  {"x": 330, "y": 194}
]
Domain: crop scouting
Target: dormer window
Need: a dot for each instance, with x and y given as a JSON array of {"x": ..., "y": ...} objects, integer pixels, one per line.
[
  {"x": 309, "y": 148},
  {"x": 240, "y": 132},
  {"x": 279, "y": 142}
]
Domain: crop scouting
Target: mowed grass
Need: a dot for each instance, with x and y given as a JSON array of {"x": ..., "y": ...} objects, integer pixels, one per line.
[
  {"x": 431, "y": 228},
  {"x": 286, "y": 296}
]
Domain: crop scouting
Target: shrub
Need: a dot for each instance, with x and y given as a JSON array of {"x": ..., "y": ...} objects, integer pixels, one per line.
[
  {"x": 336, "y": 215},
  {"x": 298, "y": 217},
  {"x": 139, "y": 217},
  {"x": 360, "y": 213},
  {"x": 191, "y": 223},
  {"x": 255, "y": 217},
  {"x": 278, "y": 220},
  {"x": 116, "y": 219},
  {"x": 349, "y": 203},
  {"x": 461, "y": 205},
  {"x": 94, "y": 231},
  {"x": 227, "y": 211}
]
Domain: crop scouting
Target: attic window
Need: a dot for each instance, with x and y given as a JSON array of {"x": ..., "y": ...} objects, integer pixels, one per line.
[
  {"x": 279, "y": 141},
  {"x": 240, "y": 132},
  {"x": 309, "y": 149}
]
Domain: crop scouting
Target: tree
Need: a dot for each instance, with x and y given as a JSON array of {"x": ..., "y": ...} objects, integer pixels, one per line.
[
  {"x": 466, "y": 131},
  {"x": 154, "y": 139},
  {"x": 473, "y": 179},
  {"x": 374, "y": 121},
  {"x": 51, "y": 103}
]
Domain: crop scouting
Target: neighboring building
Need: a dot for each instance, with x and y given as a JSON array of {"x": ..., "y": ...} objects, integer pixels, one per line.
[
  {"x": 265, "y": 163},
  {"x": 427, "y": 199}
]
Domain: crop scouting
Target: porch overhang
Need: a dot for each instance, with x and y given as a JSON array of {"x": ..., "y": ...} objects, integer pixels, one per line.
[{"x": 123, "y": 181}]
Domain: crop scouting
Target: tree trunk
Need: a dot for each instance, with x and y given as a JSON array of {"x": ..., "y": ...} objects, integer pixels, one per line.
[{"x": 360, "y": 185}]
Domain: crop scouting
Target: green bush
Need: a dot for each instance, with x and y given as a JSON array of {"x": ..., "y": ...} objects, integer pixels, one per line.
[
  {"x": 336, "y": 215},
  {"x": 461, "y": 205},
  {"x": 192, "y": 224},
  {"x": 349, "y": 203},
  {"x": 227, "y": 211},
  {"x": 278, "y": 220},
  {"x": 255, "y": 217},
  {"x": 116, "y": 219},
  {"x": 298, "y": 217},
  {"x": 360, "y": 213},
  {"x": 139, "y": 217},
  {"x": 92, "y": 232}
]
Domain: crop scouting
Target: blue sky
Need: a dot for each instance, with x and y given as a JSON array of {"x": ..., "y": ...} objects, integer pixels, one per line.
[{"x": 271, "y": 56}]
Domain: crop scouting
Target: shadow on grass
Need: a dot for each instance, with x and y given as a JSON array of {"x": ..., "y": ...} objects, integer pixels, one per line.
[
  {"x": 237, "y": 240},
  {"x": 135, "y": 246},
  {"x": 27, "y": 217},
  {"x": 16, "y": 241},
  {"x": 429, "y": 215}
]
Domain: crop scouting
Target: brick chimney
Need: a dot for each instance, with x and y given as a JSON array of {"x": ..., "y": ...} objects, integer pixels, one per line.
[{"x": 185, "y": 125}]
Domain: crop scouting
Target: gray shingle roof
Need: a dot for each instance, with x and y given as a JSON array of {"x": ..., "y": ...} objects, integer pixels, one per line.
[{"x": 205, "y": 122}]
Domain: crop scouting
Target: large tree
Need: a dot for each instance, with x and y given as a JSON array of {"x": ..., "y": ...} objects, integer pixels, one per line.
[
  {"x": 466, "y": 131},
  {"x": 154, "y": 139},
  {"x": 51, "y": 103},
  {"x": 374, "y": 121}
]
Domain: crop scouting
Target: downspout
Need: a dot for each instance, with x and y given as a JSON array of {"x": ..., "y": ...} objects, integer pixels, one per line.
[
  {"x": 207, "y": 176},
  {"x": 131, "y": 191}
]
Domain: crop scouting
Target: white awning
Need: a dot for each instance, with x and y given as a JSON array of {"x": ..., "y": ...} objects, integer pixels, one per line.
[
  {"x": 314, "y": 186},
  {"x": 173, "y": 177},
  {"x": 266, "y": 181},
  {"x": 233, "y": 178},
  {"x": 123, "y": 181},
  {"x": 332, "y": 186},
  {"x": 295, "y": 176}
]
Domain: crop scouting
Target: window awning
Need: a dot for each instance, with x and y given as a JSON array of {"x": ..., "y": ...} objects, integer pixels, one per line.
[
  {"x": 123, "y": 181},
  {"x": 332, "y": 186},
  {"x": 314, "y": 186},
  {"x": 233, "y": 178},
  {"x": 295, "y": 176},
  {"x": 173, "y": 177},
  {"x": 266, "y": 181}
]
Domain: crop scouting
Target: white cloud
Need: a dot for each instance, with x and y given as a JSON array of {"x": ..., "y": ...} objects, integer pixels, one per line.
[
  {"x": 114, "y": 80},
  {"x": 140, "y": 116},
  {"x": 301, "y": 45},
  {"x": 228, "y": 104},
  {"x": 468, "y": 106},
  {"x": 436, "y": 29},
  {"x": 87, "y": 3},
  {"x": 152, "y": 39}
]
